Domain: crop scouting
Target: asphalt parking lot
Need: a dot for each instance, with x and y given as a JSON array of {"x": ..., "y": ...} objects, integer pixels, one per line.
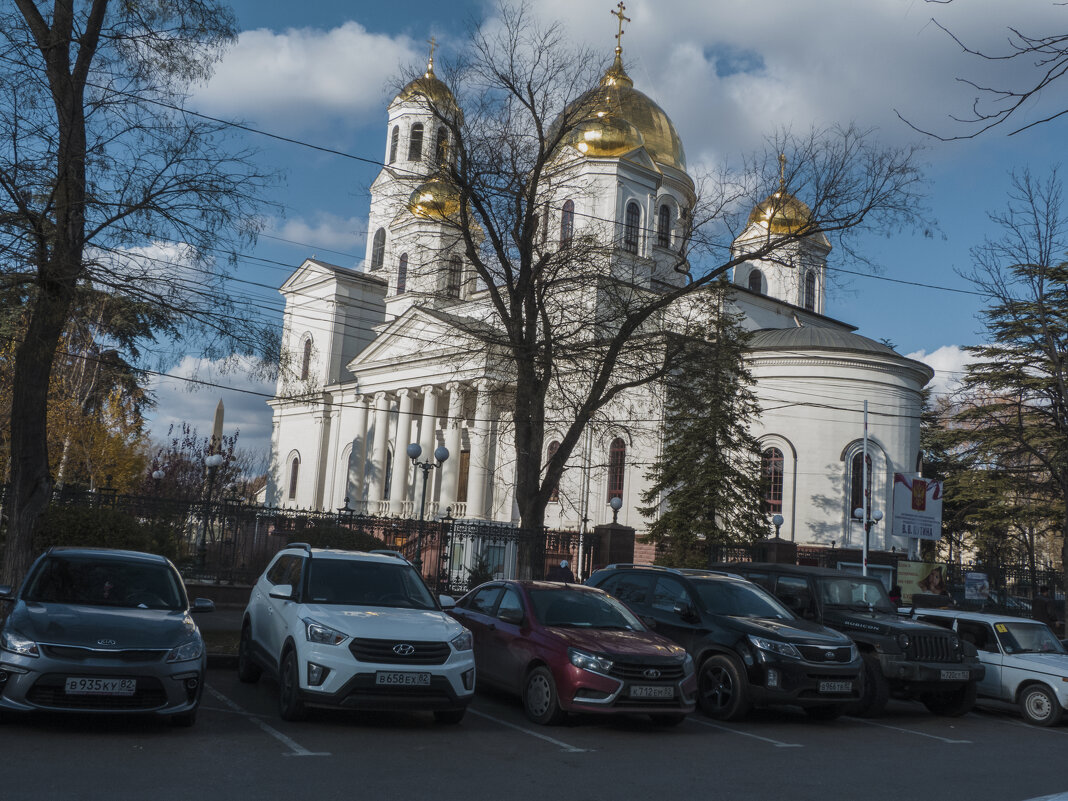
[{"x": 241, "y": 749}]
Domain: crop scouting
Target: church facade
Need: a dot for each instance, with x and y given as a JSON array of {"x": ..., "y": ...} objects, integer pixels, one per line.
[{"x": 375, "y": 369}]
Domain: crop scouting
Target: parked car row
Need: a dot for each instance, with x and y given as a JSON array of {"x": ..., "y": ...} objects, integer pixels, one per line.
[{"x": 112, "y": 631}]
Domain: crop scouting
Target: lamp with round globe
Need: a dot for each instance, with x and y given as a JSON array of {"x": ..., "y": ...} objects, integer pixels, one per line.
[
  {"x": 876, "y": 516},
  {"x": 414, "y": 451},
  {"x": 777, "y": 521},
  {"x": 211, "y": 464},
  {"x": 616, "y": 503}
]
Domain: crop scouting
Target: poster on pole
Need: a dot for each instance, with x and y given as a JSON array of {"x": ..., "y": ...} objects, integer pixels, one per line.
[
  {"x": 921, "y": 578},
  {"x": 917, "y": 507}
]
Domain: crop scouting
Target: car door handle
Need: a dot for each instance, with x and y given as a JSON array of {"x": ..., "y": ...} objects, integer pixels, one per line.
[{"x": 491, "y": 626}]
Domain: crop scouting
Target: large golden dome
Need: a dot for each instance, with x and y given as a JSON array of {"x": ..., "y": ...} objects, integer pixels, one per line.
[
  {"x": 615, "y": 111},
  {"x": 430, "y": 87},
  {"x": 781, "y": 213},
  {"x": 435, "y": 199}
]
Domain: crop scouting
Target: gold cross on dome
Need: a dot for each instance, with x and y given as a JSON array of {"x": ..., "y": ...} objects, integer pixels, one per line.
[
  {"x": 430, "y": 61},
  {"x": 619, "y": 13},
  {"x": 782, "y": 171}
]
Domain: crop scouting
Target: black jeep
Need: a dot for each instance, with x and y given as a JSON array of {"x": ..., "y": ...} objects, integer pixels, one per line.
[{"x": 902, "y": 658}]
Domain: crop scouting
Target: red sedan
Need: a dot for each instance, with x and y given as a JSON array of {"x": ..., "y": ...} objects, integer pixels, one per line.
[{"x": 569, "y": 648}]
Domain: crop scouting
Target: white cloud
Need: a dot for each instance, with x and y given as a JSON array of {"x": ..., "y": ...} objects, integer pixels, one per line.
[
  {"x": 182, "y": 401},
  {"x": 948, "y": 363},
  {"x": 328, "y": 231}
]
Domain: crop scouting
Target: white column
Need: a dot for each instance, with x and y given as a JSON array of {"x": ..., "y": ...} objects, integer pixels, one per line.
[
  {"x": 451, "y": 470},
  {"x": 377, "y": 460},
  {"x": 398, "y": 487},
  {"x": 354, "y": 487},
  {"x": 428, "y": 440},
  {"x": 479, "y": 434}
]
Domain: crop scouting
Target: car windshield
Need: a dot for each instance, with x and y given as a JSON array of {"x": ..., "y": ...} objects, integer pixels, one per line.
[
  {"x": 855, "y": 592},
  {"x": 581, "y": 609},
  {"x": 739, "y": 599},
  {"x": 1018, "y": 637},
  {"x": 356, "y": 582},
  {"x": 95, "y": 581}
]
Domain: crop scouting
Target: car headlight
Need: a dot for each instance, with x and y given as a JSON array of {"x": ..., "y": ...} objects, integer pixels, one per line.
[
  {"x": 191, "y": 649},
  {"x": 581, "y": 659},
  {"x": 687, "y": 666},
  {"x": 775, "y": 647},
  {"x": 17, "y": 644},
  {"x": 322, "y": 635},
  {"x": 853, "y": 652},
  {"x": 903, "y": 640},
  {"x": 463, "y": 641}
]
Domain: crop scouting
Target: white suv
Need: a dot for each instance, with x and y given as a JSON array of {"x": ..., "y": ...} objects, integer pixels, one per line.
[{"x": 354, "y": 630}]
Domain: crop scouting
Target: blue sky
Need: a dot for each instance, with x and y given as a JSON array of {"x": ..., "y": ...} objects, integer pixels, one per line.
[{"x": 728, "y": 73}]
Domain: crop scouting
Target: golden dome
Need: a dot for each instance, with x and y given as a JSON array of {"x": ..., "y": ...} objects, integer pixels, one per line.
[
  {"x": 435, "y": 199},
  {"x": 781, "y": 213},
  {"x": 616, "y": 107},
  {"x": 605, "y": 136},
  {"x": 430, "y": 87}
]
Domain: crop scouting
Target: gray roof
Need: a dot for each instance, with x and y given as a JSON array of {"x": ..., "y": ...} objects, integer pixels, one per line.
[{"x": 810, "y": 337}]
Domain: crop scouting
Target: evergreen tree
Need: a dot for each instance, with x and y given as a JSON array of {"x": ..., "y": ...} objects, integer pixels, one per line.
[{"x": 705, "y": 486}]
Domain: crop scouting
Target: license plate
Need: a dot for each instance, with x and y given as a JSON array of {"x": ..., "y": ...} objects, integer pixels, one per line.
[
  {"x": 954, "y": 675},
  {"x": 836, "y": 686},
  {"x": 87, "y": 686},
  {"x": 402, "y": 679},
  {"x": 641, "y": 691}
]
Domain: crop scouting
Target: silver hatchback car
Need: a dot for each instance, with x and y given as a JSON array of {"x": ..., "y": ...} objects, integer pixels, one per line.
[{"x": 95, "y": 630}]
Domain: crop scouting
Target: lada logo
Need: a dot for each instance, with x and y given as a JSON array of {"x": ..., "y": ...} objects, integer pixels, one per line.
[
  {"x": 404, "y": 649},
  {"x": 651, "y": 673},
  {"x": 105, "y": 642}
]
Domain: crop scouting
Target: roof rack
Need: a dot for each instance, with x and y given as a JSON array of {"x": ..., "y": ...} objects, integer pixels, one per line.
[
  {"x": 303, "y": 545},
  {"x": 678, "y": 571},
  {"x": 388, "y": 552}
]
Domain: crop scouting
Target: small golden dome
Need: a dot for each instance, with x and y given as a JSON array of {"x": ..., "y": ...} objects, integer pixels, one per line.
[
  {"x": 430, "y": 87},
  {"x": 605, "y": 136},
  {"x": 781, "y": 213},
  {"x": 435, "y": 199}
]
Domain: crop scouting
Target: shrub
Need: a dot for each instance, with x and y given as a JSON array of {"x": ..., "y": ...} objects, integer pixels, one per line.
[
  {"x": 103, "y": 528},
  {"x": 339, "y": 537}
]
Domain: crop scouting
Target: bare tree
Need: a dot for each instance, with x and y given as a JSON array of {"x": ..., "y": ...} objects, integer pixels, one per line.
[{"x": 106, "y": 184}]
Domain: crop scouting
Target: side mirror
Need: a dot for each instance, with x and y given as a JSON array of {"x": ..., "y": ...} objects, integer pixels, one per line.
[
  {"x": 283, "y": 592},
  {"x": 446, "y": 601},
  {"x": 202, "y": 605},
  {"x": 513, "y": 616},
  {"x": 6, "y": 592},
  {"x": 648, "y": 622},
  {"x": 684, "y": 610}
]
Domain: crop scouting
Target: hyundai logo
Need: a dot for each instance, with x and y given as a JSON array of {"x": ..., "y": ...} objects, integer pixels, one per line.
[
  {"x": 651, "y": 673},
  {"x": 105, "y": 642},
  {"x": 404, "y": 649}
]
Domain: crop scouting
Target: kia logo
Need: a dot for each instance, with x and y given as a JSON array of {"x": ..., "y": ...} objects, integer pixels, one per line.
[
  {"x": 652, "y": 673},
  {"x": 105, "y": 642},
  {"x": 404, "y": 649},
  {"x": 828, "y": 654}
]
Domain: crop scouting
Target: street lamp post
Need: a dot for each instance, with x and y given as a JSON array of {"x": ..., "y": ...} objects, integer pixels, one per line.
[
  {"x": 777, "y": 521},
  {"x": 414, "y": 451},
  {"x": 211, "y": 462},
  {"x": 616, "y": 503},
  {"x": 876, "y": 516}
]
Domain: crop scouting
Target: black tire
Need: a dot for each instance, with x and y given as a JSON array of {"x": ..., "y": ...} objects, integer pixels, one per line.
[
  {"x": 247, "y": 670},
  {"x": 722, "y": 690},
  {"x": 290, "y": 705},
  {"x": 449, "y": 717},
  {"x": 953, "y": 704},
  {"x": 540, "y": 701},
  {"x": 1039, "y": 705},
  {"x": 828, "y": 712},
  {"x": 667, "y": 721},
  {"x": 184, "y": 720},
  {"x": 874, "y": 690}
]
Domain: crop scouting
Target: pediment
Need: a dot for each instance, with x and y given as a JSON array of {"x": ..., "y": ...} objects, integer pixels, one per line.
[{"x": 415, "y": 334}]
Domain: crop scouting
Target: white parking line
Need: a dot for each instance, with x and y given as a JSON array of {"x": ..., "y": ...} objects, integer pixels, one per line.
[
  {"x": 563, "y": 746},
  {"x": 295, "y": 748},
  {"x": 776, "y": 743},
  {"x": 911, "y": 731}
]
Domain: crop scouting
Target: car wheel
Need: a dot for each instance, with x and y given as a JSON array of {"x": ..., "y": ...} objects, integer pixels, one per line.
[
  {"x": 289, "y": 704},
  {"x": 1039, "y": 705},
  {"x": 722, "y": 691},
  {"x": 449, "y": 716},
  {"x": 666, "y": 721},
  {"x": 540, "y": 700},
  {"x": 184, "y": 720},
  {"x": 247, "y": 670},
  {"x": 874, "y": 691},
  {"x": 828, "y": 712},
  {"x": 952, "y": 704}
]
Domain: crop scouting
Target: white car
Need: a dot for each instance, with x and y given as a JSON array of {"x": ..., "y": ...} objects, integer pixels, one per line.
[
  {"x": 1025, "y": 662},
  {"x": 354, "y": 630}
]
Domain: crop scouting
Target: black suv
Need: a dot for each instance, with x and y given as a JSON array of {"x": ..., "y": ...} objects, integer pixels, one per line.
[
  {"x": 748, "y": 648},
  {"x": 902, "y": 658}
]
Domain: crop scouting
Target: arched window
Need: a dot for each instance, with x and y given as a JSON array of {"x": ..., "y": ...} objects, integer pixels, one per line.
[
  {"x": 402, "y": 274},
  {"x": 550, "y": 452},
  {"x": 663, "y": 226},
  {"x": 378, "y": 249},
  {"x": 756, "y": 281},
  {"x": 631, "y": 221},
  {"x": 441, "y": 147},
  {"x": 455, "y": 277},
  {"x": 810, "y": 290},
  {"x": 305, "y": 361},
  {"x": 567, "y": 223},
  {"x": 415, "y": 142},
  {"x": 771, "y": 476},
  {"x": 294, "y": 469},
  {"x": 394, "y": 140},
  {"x": 856, "y": 481},
  {"x": 617, "y": 461}
]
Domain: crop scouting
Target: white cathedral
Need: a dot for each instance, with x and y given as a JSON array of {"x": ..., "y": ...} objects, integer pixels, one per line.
[{"x": 370, "y": 346}]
